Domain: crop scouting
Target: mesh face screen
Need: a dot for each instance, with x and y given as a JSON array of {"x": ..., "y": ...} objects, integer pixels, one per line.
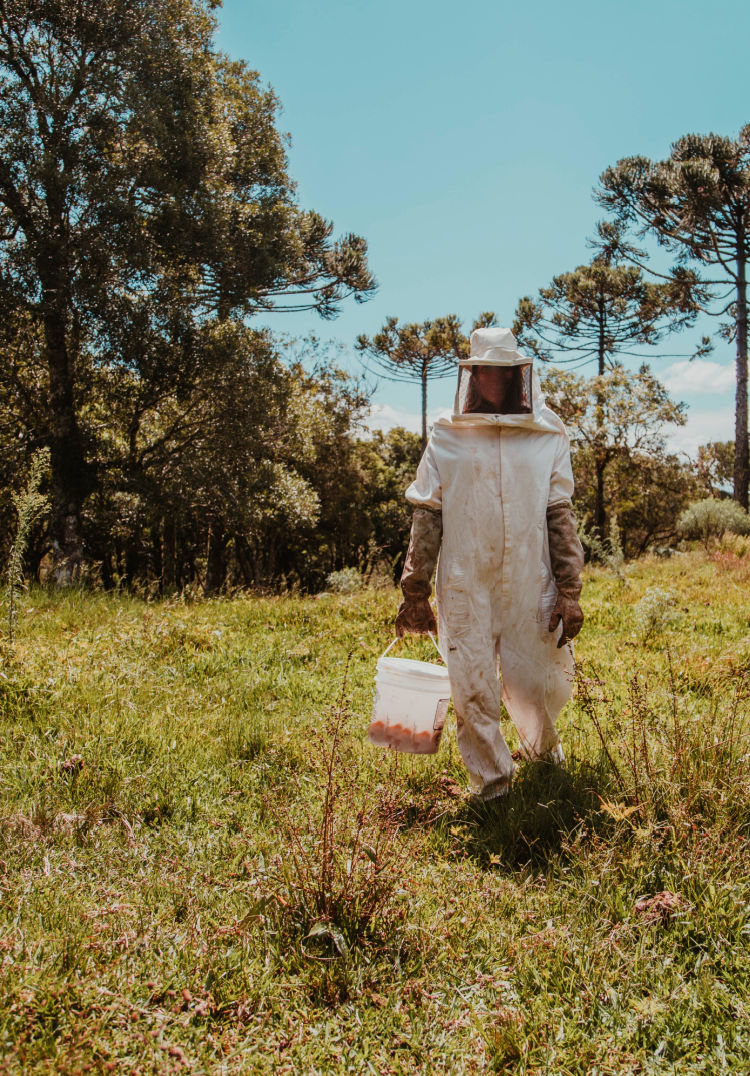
[{"x": 494, "y": 390}]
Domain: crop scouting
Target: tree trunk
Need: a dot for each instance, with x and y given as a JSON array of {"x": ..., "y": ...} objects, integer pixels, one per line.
[
  {"x": 741, "y": 453},
  {"x": 424, "y": 409},
  {"x": 169, "y": 556},
  {"x": 70, "y": 474},
  {"x": 132, "y": 557},
  {"x": 157, "y": 553},
  {"x": 215, "y": 559},
  {"x": 118, "y": 563},
  {"x": 600, "y": 515},
  {"x": 245, "y": 563},
  {"x": 107, "y": 579}
]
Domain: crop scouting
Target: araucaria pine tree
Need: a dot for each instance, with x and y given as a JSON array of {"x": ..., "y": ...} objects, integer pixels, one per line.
[
  {"x": 696, "y": 203},
  {"x": 597, "y": 313},
  {"x": 421, "y": 352}
]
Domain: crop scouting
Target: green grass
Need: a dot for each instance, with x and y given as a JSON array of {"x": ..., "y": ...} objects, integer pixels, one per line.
[{"x": 149, "y": 919}]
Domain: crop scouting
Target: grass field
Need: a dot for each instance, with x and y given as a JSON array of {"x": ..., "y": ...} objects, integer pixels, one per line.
[{"x": 168, "y": 904}]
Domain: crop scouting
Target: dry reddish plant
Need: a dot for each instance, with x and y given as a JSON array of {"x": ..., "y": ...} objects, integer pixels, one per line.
[{"x": 346, "y": 857}]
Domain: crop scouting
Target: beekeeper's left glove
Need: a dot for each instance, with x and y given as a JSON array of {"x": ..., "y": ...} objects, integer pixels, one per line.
[
  {"x": 569, "y": 612},
  {"x": 566, "y": 558}
]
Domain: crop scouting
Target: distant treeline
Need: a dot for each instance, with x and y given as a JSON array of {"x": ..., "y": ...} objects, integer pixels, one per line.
[{"x": 260, "y": 476}]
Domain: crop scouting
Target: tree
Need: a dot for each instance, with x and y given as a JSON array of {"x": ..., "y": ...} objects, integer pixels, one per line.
[
  {"x": 81, "y": 176},
  {"x": 227, "y": 458},
  {"x": 644, "y": 491},
  {"x": 423, "y": 352},
  {"x": 23, "y": 420},
  {"x": 715, "y": 467},
  {"x": 254, "y": 248},
  {"x": 696, "y": 204},
  {"x": 596, "y": 313},
  {"x": 615, "y": 422},
  {"x": 247, "y": 476},
  {"x": 130, "y": 154},
  {"x": 388, "y": 464}
]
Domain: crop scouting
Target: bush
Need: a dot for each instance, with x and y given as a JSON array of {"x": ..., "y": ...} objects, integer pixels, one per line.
[
  {"x": 347, "y": 581},
  {"x": 712, "y": 518},
  {"x": 655, "y": 612},
  {"x": 30, "y": 505}
]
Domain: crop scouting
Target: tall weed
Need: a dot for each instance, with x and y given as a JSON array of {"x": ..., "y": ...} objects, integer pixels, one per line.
[
  {"x": 335, "y": 883},
  {"x": 655, "y": 612},
  {"x": 606, "y": 551},
  {"x": 667, "y": 759},
  {"x": 30, "y": 504}
]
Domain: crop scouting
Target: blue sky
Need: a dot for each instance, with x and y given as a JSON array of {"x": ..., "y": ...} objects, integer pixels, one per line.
[{"x": 463, "y": 142}]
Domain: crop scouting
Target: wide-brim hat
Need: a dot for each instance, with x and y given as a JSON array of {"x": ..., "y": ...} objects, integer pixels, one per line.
[{"x": 494, "y": 347}]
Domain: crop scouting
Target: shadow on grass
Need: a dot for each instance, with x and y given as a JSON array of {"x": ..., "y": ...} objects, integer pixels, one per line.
[{"x": 532, "y": 825}]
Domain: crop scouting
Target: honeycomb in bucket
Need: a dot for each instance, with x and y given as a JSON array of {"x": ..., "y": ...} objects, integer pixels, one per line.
[{"x": 401, "y": 737}]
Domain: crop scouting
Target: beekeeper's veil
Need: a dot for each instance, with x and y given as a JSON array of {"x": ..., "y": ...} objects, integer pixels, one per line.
[{"x": 496, "y": 378}]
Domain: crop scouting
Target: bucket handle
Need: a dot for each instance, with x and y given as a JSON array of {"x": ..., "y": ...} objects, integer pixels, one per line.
[{"x": 434, "y": 642}]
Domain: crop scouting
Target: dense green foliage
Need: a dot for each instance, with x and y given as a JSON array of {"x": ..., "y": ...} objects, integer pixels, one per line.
[
  {"x": 152, "y": 919},
  {"x": 253, "y": 475},
  {"x": 145, "y": 211}
]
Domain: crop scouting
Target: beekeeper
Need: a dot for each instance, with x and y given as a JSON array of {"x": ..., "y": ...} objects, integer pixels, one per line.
[{"x": 493, "y": 495}]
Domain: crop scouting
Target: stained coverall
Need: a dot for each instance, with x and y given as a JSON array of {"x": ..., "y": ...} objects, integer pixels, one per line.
[{"x": 493, "y": 495}]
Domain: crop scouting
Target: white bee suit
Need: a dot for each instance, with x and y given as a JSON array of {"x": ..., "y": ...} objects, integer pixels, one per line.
[{"x": 493, "y": 478}]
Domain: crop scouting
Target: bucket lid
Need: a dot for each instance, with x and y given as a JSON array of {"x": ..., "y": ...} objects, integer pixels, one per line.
[{"x": 427, "y": 672}]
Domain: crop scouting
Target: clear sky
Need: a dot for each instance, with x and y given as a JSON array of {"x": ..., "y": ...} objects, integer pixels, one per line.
[{"x": 463, "y": 141}]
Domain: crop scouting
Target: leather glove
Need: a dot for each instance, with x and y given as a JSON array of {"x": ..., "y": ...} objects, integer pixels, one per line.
[
  {"x": 566, "y": 557},
  {"x": 570, "y": 613},
  {"x": 415, "y": 614}
]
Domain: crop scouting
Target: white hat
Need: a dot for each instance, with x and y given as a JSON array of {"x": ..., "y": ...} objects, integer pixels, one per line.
[{"x": 494, "y": 347}]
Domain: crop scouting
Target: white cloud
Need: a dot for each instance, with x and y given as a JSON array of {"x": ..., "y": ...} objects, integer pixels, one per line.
[
  {"x": 701, "y": 427},
  {"x": 385, "y": 417},
  {"x": 700, "y": 375}
]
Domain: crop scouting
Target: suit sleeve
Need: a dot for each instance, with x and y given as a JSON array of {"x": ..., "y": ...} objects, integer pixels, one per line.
[
  {"x": 426, "y": 490},
  {"x": 561, "y": 481}
]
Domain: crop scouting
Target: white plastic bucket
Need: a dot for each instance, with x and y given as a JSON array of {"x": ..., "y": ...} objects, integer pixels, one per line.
[{"x": 411, "y": 701}]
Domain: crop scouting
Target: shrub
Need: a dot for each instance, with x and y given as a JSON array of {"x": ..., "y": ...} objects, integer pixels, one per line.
[
  {"x": 664, "y": 764},
  {"x": 347, "y": 581},
  {"x": 737, "y": 544},
  {"x": 713, "y": 518},
  {"x": 655, "y": 611}
]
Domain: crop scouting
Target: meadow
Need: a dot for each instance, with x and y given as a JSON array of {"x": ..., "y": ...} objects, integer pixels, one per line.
[{"x": 205, "y": 867}]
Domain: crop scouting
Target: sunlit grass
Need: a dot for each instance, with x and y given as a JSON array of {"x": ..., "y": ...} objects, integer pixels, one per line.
[{"x": 147, "y": 749}]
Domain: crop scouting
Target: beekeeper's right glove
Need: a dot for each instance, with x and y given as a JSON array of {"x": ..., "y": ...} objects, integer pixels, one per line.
[{"x": 415, "y": 614}]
